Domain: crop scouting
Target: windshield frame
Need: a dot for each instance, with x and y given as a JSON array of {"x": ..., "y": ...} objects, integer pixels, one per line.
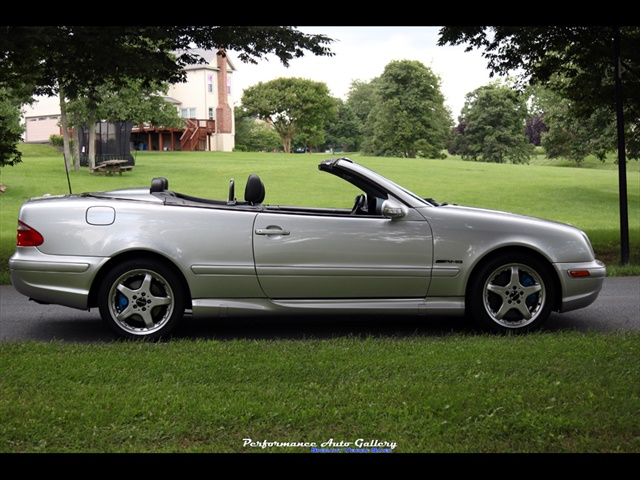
[{"x": 372, "y": 182}]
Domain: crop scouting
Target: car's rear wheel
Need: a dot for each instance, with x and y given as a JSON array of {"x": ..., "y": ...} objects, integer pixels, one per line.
[
  {"x": 512, "y": 293},
  {"x": 141, "y": 299}
]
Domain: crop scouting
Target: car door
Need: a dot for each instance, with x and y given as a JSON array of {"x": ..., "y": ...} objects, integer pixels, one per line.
[{"x": 337, "y": 256}]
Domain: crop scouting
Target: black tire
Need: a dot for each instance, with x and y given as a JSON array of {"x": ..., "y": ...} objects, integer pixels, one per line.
[
  {"x": 512, "y": 293},
  {"x": 141, "y": 300}
]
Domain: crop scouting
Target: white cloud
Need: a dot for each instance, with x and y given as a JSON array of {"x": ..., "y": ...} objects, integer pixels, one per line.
[{"x": 362, "y": 53}]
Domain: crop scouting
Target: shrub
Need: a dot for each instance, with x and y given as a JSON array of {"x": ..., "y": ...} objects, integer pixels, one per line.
[{"x": 56, "y": 140}]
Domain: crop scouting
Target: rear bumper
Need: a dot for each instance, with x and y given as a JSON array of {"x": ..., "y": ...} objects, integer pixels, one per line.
[
  {"x": 60, "y": 280},
  {"x": 580, "y": 292}
]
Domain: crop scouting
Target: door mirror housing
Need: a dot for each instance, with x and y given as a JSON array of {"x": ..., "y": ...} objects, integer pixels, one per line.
[{"x": 393, "y": 209}]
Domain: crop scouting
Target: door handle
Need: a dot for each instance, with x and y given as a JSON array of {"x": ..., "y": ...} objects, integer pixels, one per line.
[{"x": 271, "y": 231}]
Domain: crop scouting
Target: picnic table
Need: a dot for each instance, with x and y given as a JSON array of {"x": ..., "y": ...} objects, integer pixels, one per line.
[{"x": 111, "y": 167}]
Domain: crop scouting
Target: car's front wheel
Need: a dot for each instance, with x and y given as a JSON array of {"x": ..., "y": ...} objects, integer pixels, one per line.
[
  {"x": 141, "y": 299},
  {"x": 512, "y": 293}
]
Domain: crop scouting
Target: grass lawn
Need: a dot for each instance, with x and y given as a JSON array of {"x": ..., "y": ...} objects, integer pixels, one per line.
[{"x": 540, "y": 393}]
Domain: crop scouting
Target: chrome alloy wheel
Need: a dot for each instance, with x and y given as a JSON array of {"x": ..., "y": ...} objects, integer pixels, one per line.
[
  {"x": 514, "y": 295},
  {"x": 141, "y": 302}
]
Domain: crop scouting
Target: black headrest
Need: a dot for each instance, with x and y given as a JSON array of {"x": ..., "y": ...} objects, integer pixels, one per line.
[
  {"x": 254, "y": 191},
  {"x": 159, "y": 184}
]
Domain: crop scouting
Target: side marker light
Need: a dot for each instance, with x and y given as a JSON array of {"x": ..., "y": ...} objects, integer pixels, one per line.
[{"x": 579, "y": 273}]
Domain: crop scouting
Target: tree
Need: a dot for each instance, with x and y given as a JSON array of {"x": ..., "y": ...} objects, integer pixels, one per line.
[
  {"x": 582, "y": 55},
  {"x": 555, "y": 125},
  {"x": 360, "y": 101},
  {"x": 78, "y": 57},
  {"x": 569, "y": 136},
  {"x": 80, "y": 113},
  {"x": 535, "y": 125},
  {"x": 312, "y": 137},
  {"x": 361, "y": 97},
  {"x": 292, "y": 106},
  {"x": 344, "y": 130},
  {"x": 534, "y": 128},
  {"x": 575, "y": 61},
  {"x": 66, "y": 143},
  {"x": 494, "y": 132},
  {"x": 408, "y": 118},
  {"x": 10, "y": 127},
  {"x": 456, "y": 143},
  {"x": 77, "y": 60},
  {"x": 253, "y": 135}
]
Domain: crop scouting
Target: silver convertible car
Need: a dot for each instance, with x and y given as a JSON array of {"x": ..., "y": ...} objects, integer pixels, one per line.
[{"x": 145, "y": 256}]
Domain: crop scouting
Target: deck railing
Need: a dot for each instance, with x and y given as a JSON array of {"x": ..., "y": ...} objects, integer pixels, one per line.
[{"x": 195, "y": 134}]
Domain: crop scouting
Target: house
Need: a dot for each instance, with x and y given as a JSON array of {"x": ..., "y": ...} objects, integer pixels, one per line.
[{"x": 205, "y": 102}]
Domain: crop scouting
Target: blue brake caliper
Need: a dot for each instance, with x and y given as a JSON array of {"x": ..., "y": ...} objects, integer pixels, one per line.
[{"x": 121, "y": 301}]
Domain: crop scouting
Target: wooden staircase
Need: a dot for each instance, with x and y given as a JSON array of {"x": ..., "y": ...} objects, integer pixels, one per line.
[{"x": 196, "y": 134}]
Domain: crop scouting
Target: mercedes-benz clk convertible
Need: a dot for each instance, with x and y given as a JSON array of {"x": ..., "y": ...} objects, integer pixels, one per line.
[{"x": 146, "y": 256}]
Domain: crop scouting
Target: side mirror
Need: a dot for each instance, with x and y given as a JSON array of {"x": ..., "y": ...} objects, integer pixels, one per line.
[{"x": 393, "y": 209}]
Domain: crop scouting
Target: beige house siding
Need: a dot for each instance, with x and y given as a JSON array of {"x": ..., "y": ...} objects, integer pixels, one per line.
[
  {"x": 41, "y": 119},
  {"x": 40, "y": 129}
]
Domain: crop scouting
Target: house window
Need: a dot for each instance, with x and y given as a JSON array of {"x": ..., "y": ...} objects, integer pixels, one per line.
[
  {"x": 210, "y": 113},
  {"x": 229, "y": 85},
  {"x": 188, "y": 112},
  {"x": 210, "y": 83}
]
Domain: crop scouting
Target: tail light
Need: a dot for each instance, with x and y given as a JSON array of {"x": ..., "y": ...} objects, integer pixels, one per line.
[{"x": 27, "y": 236}]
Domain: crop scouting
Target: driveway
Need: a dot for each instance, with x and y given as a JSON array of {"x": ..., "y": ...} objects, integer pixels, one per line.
[{"x": 616, "y": 309}]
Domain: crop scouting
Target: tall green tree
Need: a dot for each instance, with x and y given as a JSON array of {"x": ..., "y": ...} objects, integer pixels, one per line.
[
  {"x": 360, "y": 100},
  {"x": 77, "y": 60},
  {"x": 292, "y": 106},
  {"x": 345, "y": 130},
  {"x": 408, "y": 118},
  {"x": 252, "y": 135},
  {"x": 494, "y": 118},
  {"x": 570, "y": 136},
  {"x": 10, "y": 126},
  {"x": 361, "y": 97}
]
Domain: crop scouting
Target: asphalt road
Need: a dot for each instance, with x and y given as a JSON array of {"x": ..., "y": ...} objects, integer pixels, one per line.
[{"x": 616, "y": 309}]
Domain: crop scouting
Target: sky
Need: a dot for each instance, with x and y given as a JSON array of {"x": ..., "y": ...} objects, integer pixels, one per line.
[{"x": 362, "y": 53}]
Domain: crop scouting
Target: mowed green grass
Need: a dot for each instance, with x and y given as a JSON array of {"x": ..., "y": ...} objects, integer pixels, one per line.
[
  {"x": 586, "y": 196},
  {"x": 564, "y": 392}
]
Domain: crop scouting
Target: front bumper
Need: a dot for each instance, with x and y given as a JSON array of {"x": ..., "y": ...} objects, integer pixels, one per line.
[{"x": 580, "y": 292}]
